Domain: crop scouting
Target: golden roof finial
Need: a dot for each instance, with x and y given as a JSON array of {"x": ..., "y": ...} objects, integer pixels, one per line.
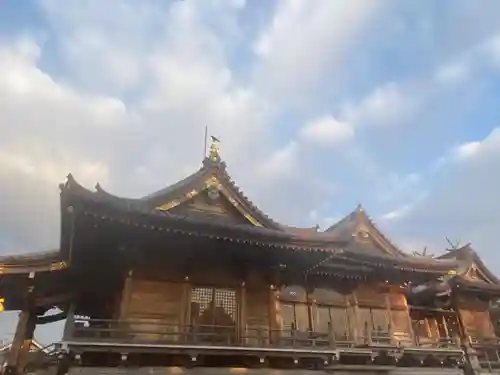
[{"x": 214, "y": 147}]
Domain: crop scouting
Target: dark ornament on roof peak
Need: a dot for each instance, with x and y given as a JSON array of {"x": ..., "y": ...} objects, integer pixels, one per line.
[{"x": 213, "y": 159}]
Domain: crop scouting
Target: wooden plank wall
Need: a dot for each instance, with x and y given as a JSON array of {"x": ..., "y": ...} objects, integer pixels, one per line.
[
  {"x": 475, "y": 317},
  {"x": 258, "y": 318},
  {"x": 158, "y": 306},
  {"x": 161, "y": 307}
]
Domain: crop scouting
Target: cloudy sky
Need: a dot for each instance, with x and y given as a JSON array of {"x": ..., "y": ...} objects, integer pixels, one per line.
[{"x": 319, "y": 104}]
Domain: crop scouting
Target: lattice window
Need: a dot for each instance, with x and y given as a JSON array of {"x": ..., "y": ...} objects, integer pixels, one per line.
[
  {"x": 202, "y": 298},
  {"x": 208, "y": 303},
  {"x": 226, "y": 299}
]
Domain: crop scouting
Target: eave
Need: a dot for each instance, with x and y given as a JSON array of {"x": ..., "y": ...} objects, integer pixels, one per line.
[
  {"x": 461, "y": 285},
  {"x": 87, "y": 203},
  {"x": 399, "y": 270},
  {"x": 42, "y": 261}
]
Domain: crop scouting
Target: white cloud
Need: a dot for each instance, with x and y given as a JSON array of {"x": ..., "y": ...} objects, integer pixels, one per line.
[
  {"x": 305, "y": 38},
  {"x": 492, "y": 49},
  {"x": 51, "y": 127},
  {"x": 282, "y": 162},
  {"x": 133, "y": 118},
  {"x": 326, "y": 131},
  {"x": 386, "y": 105},
  {"x": 468, "y": 150},
  {"x": 397, "y": 213},
  {"x": 452, "y": 73},
  {"x": 465, "y": 204}
]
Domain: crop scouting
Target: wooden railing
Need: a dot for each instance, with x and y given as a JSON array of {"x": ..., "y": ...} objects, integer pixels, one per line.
[
  {"x": 155, "y": 332},
  {"x": 487, "y": 350}
]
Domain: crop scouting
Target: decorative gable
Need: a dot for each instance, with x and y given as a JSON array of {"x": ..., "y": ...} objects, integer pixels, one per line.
[
  {"x": 472, "y": 266},
  {"x": 210, "y": 191},
  {"x": 212, "y": 204},
  {"x": 475, "y": 274},
  {"x": 363, "y": 235}
]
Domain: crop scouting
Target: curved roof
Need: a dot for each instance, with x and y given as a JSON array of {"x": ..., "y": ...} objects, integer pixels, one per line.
[
  {"x": 36, "y": 261},
  {"x": 469, "y": 262},
  {"x": 211, "y": 167},
  {"x": 301, "y": 231},
  {"x": 104, "y": 204},
  {"x": 308, "y": 239},
  {"x": 343, "y": 234},
  {"x": 358, "y": 222}
]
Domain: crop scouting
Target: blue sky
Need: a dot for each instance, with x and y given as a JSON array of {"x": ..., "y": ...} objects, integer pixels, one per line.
[{"x": 320, "y": 105}]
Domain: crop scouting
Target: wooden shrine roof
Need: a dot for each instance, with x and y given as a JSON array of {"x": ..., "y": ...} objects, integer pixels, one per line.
[
  {"x": 356, "y": 234},
  {"x": 472, "y": 272}
]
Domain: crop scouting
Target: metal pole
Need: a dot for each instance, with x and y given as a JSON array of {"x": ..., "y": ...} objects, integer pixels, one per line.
[{"x": 206, "y": 142}]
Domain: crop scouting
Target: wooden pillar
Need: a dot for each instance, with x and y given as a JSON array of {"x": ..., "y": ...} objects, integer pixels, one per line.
[
  {"x": 242, "y": 318},
  {"x": 69, "y": 325},
  {"x": 22, "y": 341},
  {"x": 445, "y": 326},
  {"x": 273, "y": 312},
  {"x": 428, "y": 327},
  {"x": 390, "y": 325},
  {"x": 410, "y": 322},
  {"x": 309, "y": 304},
  {"x": 355, "y": 316},
  {"x": 25, "y": 329},
  {"x": 184, "y": 318},
  {"x": 463, "y": 331},
  {"x": 126, "y": 295}
]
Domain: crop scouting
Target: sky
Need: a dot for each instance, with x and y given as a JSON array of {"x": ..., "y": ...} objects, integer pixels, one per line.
[{"x": 319, "y": 105}]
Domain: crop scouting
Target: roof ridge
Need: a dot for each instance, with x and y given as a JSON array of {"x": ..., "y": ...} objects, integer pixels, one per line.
[
  {"x": 209, "y": 166},
  {"x": 372, "y": 222}
]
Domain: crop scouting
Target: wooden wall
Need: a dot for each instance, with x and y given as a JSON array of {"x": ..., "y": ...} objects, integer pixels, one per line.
[
  {"x": 160, "y": 308},
  {"x": 475, "y": 317},
  {"x": 155, "y": 305},
  {"x": 257, "y": 320}
]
